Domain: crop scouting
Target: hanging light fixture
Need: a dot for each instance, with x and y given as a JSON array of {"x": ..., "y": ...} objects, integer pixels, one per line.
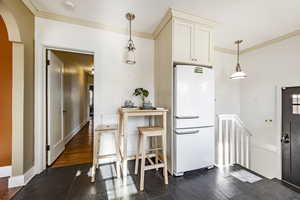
[
  {"x": 130, "y": 47},
  {"x": 238, "y": 74}
]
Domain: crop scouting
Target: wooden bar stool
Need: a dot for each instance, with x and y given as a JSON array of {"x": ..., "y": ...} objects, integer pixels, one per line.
[
  {"x": 144, "y": 134},
  {"x": 100, "y": 131}
]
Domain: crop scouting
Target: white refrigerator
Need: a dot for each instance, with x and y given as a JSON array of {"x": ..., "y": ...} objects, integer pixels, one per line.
[{"x": 194, "y": 104}]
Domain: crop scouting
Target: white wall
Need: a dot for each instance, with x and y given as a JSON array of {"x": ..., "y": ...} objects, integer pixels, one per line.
[
  {"x": 227, "y": 90},
  {"x": 268, "y": 69},
  {"x": 114, "y": 79}
]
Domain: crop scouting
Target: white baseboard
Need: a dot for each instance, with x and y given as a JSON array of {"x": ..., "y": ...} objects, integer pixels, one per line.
[
  {"x": 74, "y": 132},
  {"x": 17, "y": 181},
  {"x": 5, "y": 171}
]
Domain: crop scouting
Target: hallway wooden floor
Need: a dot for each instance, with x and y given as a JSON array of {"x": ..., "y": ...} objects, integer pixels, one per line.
[
  {"x": 78, "y": 150},
  {"x": 5, "y": 192}
]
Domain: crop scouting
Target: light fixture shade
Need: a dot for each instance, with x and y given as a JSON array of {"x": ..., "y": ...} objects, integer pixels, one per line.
[
  {"x": 130, "y": 57},
  {"x": 238, "y": 75}
]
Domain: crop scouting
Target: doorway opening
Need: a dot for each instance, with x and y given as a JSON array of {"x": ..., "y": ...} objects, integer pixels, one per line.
[
  {"x": 290, "y": 138},
  {"x": 69, "y": 108}
]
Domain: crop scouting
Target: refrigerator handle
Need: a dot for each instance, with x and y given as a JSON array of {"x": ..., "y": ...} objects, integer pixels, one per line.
[
  {"x": 187, "y": 132},
  {"x": 187, "y": 117}
]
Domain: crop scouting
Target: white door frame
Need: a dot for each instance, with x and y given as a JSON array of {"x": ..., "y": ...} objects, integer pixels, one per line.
[{"x": 40, "y": 106}]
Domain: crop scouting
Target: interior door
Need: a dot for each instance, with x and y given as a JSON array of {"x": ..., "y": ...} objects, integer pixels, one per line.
[
  {"x": 290, "y": 139},
  {"x": 55, "y": 137},
  {"x": 202, "y": 45},
  {"x": 182, "y": 41}
]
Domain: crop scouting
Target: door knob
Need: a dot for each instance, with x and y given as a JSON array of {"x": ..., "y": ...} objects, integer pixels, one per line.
[{"x": 285, "y": 139}]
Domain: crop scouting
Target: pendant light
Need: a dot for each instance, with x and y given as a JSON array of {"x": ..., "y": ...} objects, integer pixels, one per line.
[
  {"x": 238, "y": 74},
  {"x": 130, "y": 47}
]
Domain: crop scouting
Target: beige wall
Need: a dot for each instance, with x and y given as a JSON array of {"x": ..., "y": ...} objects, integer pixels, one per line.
[
  {"x": 75, "y": 85},
  {"x": 25, "y": 21}
]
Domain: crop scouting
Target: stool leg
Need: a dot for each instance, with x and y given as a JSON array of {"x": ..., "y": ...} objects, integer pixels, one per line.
[
  {"x": 95, "y": 154},
  {"x": 156, "y": 151},
  {"x": 117, "y": 145},
  {"x": 137, "y": 155},
  {"x": 143, "y": 138},
  {"x": 164, "y": 146}
]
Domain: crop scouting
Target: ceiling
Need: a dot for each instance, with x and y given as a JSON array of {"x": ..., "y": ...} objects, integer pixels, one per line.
[{"x": 254, "y": 21}]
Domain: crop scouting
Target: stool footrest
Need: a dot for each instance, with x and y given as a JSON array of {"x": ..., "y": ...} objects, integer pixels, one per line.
[
  {"x": 108, "y": 156},
  {"x": 160, "y": 165},
  {"x": 154, "y": 149}
]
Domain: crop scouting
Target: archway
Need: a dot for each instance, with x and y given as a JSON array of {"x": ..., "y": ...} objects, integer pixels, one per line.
[
  {"x": 6, "y": 98},
  {"x": 17, "y": 98}
]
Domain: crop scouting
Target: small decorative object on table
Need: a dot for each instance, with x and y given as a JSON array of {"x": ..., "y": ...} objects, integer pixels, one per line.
[
  {"x": 128, "y": 104},
  {"x": 143, "y": 93},
  {"x": 148, "y": 106}
]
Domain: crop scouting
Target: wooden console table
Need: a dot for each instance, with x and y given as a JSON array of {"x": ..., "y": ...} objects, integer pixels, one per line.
[{"x": 124, "y": 114}]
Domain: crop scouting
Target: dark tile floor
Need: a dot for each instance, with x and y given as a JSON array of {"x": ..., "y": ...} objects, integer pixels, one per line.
[{"x": 215, "y": 184}]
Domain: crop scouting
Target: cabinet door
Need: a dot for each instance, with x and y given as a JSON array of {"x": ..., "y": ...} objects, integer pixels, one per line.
[
  {"x": 182, "y": 41},
  {"x": 202, "y": 45}
]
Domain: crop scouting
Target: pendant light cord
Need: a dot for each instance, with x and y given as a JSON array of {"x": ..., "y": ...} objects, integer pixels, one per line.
[
  {"x": 130, "y": 30},
  {"x": 238, "y": 52}
]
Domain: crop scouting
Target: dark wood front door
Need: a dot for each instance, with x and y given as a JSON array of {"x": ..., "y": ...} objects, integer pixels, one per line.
[{"x": 290, "y": 138}]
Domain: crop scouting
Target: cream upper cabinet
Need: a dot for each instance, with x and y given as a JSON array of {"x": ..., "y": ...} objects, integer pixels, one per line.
[
  {"x": 192, "y": 43},
  {"x": 202, "y": 45},
  {"x": 182, "y": 41}
]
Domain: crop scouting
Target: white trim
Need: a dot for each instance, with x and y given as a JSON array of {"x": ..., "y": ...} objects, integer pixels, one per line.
[
  {"x": 266, "y": 147},
  {"x": 40, "y": 105},
  {"x": 17, "y": 181},
  {"x": 74, "y": 132},
  {"x": 278, "y": 103},
  {"x": 5, "y": 171}
]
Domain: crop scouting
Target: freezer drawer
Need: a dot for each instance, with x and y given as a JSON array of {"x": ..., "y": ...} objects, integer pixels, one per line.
[{"x": 194, "y": 149}]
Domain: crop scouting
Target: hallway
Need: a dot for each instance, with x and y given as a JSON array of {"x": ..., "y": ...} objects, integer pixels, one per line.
[{"x": 78, "y": 150}]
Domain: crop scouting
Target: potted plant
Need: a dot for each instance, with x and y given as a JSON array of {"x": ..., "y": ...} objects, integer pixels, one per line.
[{"x": 143, "y": 93}]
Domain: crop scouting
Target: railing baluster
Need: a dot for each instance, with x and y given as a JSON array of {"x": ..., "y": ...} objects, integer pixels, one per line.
[
  {"x": 226, "y": 140},
  {"x": 232, "y": 142},
  {"x": 220, "y": 143},
  {"x": 237, "y": 149},
  {"x": 247, "y": 151},
  {"x": 242, "y": 148}
]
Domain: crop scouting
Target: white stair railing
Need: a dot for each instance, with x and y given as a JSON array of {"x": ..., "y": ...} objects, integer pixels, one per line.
[{"x": 233, "y": 142}]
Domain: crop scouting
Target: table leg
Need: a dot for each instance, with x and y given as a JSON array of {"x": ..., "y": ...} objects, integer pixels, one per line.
[
  {"x": 164, "y": 143},
  {"x": 124, "y": 169}
]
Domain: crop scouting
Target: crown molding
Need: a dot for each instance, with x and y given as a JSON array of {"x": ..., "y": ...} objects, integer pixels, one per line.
[
  {"x": 82, "y": 22},
  {"x": 31, "y": 6},
  {"x": 167, "y": 17},
  {"x": 224, "y": 50},
  {"x": 272, "y": 41},
  {"x": 91, "y": 24},
  {"x": 180, "y": 14}
]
